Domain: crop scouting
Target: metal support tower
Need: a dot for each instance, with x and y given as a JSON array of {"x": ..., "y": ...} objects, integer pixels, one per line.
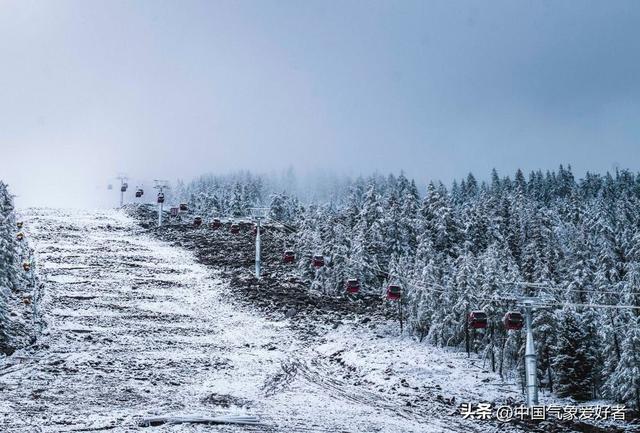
[
  {"x": 160, "y": 185},
  {"x": 529, "y": 302},
  {"x": 123, "y": 181},
  {"x": 258, "y": 215},
  {"x": 258, "y": 248},
  {"x": 530, "y": 361}
]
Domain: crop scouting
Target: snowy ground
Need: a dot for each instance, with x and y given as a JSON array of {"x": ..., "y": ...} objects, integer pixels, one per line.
[{"x": 137, "y": 328}]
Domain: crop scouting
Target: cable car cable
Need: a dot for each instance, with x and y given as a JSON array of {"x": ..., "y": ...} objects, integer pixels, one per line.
[
  {"x": 560, "y": 289},
  {"x": 448, "y": 290}
]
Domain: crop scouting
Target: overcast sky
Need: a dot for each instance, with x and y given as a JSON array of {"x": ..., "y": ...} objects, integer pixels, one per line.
[{"x": 167, "y": 89}]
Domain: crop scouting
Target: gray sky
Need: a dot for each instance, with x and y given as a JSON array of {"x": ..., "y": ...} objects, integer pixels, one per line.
[{"x": 167, "y": 89}]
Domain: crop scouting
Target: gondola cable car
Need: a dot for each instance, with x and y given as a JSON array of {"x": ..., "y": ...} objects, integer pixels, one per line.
[
  {"x": 394, "y": 292},
  {"x": 160, "y": 197},
  {"x": 513, "y": 320},
  {"x": 288, "y": 256},
  {"x": 255, "y": 230},
  {"x": 353, "y": 285},
  {"x": 477, "y": 319},
  {"x": 318, "y": 261},
  {"x": 216, "y": 224},
  {"x": 197, "y": 221},
  {"x": 234, "y": 229}
]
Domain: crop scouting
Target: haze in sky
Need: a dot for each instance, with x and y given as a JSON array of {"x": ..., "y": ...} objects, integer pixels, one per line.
[{"x": 168, "y": 89}]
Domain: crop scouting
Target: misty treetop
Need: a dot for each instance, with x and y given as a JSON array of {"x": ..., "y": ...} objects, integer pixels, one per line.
[{"x": 476, "y": 246}]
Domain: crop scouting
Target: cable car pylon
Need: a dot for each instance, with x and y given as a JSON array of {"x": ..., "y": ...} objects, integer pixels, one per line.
[
  {"x": 123, "y": 187},
  {"x": 530, "y": 359},
  {"x": 160, "y": 185},
  {"x": 258, "y": 213}
]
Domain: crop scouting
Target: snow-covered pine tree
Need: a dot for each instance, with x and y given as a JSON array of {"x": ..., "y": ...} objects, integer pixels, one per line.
[
  {"x": 624, "y": 382},
  {"x": 278, "y": 208},
  {"x": 307, "y": 242},
  {"x": 239, "y": 205},
  {"x": 439, "y": 222},
  {"x": 574, "y": 361},
  {"x": 368, "y": 248},
  {"x": 9, "y": 273}
]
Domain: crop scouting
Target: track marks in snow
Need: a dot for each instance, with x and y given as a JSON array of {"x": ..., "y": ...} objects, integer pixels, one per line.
[{"x": 136, "y": 328}]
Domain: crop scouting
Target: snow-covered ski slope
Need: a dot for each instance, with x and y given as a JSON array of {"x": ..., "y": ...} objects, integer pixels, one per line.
[{"x": 136, "y": 328}]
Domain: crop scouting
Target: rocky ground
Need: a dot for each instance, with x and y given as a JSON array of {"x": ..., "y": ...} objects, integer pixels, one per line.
[{"x": 280, "y": 289}]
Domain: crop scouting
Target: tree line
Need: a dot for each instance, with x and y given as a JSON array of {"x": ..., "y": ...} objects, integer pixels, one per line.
[{"x": 478, "y": 246}]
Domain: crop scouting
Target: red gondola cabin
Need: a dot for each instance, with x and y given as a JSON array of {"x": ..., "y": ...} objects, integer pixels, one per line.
[
  {"x": 183, "y": 207},
  {"x": 353, "y": 285},
  {"x": 394, "y": 292},
  {"x": 26, "y": 266},
  {"x": 513, "y": 320},
  {"x": 288, "y": 257},
  {"x": 139, "y": 193},
  {"x": 197, "y": 221},
  {"x": 216, "y": 224},
  {"x": 161, "y": 197},
  {"x": 478, "y": 319},
  {"x": 20, "y": 236},
  {"x": 318, "y": 261},
  {"x": 235, "y": 229},
  {"x": 255, "y": 230}
]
